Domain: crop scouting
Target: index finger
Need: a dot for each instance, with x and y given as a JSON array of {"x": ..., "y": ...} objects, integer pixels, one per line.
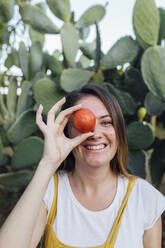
[
  {"x": 65, "y": 114},
  {"x": 52, "y": 112}
]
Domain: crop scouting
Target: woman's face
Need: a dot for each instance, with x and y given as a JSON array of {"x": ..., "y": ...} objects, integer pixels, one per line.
[{"x": 99, "y": 149}]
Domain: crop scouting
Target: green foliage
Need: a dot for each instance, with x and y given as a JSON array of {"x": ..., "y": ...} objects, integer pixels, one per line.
[
  {"x": 91, "y": 15},
  {"x": 36, "y": 58},
  {"x": 54, "y": 64},
  {"x": 153, "y": 70},
  {"x": 84, "y": 32},
  {"x": 6, "y": 9},
  {"x": 46, "y": 92},
  {"x": 139, "y": 135},
  {"x": 146, "y": 22},
  {"x": 1, "y": 152},
  {"x": 136, "y": 163},
  {"x": 69, "y": 36},
  {"x": 153, "y": 104},
  {"x": 27, "y": 153},
  {"x": 36, "y": 36},
  {"x": 12, "y": 97},
  {"x": 157, "y": 159},
  {"x": 162, "y": 23},
  {"x": 98, "y": 49},
  {"x": 61, "y": 9},
  {"x": 125, "y": 100},
  {"x": 88, "y": 49},
  {"x": 16, "y": 179},
  {"x": 3, "y": 108},
  {"x": 34, "y": 16},
  {"x": 25, "y": 123},
  {"x": 72, "y": 79},
  {"x": 25, "y": 100},
  {"x": 132, "y": 70},
  {"x": 123, "y": 51},
  {"x": 12, "y": 59},
  {"x": 84, "y": 61},
  {"x": 97, "y": 78},
  {"x": 24, "y": 61}
]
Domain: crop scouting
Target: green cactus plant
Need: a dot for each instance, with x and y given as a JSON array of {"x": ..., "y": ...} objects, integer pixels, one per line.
[
  {"x": 61, "y": 9},
  {"x": 34, "y": 16},
  {"x": 123, "y": 51},
  {"x": 91, "y": 15},
  {"x": 6, "y": 9},
  {"x": 27, "y": 153},
  {"x": 139, "y": 135},
  {"x": 132, "y": 70},
  {"x": 26, "y": 123},
  {"x": 146, "y": 21},
  {"x": 136, "y": 163},
  {"x": 36, "y": 36},
  {"x": 69, "y": 36},
  {"x": 74, "y": 78},
  {"x": 24, "y": 61},
  {"x": 46, "y": 93},
  {"x": 153, "y": 70}
]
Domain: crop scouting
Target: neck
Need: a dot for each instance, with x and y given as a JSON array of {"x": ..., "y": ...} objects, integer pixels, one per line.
[{"x": 92, "y": 180}]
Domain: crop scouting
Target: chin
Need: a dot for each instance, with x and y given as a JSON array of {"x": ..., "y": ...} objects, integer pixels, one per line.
[{"x": 97, "y": 164}]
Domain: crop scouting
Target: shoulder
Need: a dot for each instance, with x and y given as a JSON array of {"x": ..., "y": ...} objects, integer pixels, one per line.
[
  {"x": 147, "y": 191},
  {"x": 145, "y": 188},
  {"x": 152, "y": 201}
]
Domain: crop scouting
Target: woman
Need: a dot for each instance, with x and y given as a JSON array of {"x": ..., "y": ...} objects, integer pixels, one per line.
[{"x": 81, "y": 194}]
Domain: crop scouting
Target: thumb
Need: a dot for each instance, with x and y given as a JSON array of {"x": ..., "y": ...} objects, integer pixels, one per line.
[{"x": 79, "y": 139}]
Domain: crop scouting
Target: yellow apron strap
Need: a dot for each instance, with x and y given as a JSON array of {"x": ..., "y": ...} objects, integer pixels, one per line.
[
  {"x": 115, "y": 228},
  {"x": 53, "y": 210}
]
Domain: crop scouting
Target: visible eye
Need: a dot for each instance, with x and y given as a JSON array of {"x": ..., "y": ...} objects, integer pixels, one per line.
[{"x": 106, "y": 123}]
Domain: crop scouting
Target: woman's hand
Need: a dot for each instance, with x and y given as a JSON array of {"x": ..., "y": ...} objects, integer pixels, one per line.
[{"x": 56, "y": 145}]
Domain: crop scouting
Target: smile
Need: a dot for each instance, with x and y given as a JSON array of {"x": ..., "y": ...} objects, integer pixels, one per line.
[{"x": 94, "y": 148}]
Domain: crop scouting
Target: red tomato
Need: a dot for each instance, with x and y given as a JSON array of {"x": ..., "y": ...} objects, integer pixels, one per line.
[{"x": 84, "y": 120}]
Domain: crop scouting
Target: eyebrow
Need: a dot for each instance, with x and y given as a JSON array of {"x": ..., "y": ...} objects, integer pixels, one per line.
[{"x": 104, "y": 116}]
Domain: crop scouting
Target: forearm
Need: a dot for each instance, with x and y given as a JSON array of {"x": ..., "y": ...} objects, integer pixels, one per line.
[{"x": 18, "y": 227}]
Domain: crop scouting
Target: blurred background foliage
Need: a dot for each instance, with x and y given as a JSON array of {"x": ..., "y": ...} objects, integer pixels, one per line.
[{"x": 132, "y": 69}]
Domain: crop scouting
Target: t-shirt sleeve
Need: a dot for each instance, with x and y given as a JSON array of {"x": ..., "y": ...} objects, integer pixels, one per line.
[
  {"x": 49, "y": 194},
  {"x": 153, "y": 203}
]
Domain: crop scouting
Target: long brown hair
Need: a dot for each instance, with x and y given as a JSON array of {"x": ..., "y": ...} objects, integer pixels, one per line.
[{"x": 120, "y": 160}]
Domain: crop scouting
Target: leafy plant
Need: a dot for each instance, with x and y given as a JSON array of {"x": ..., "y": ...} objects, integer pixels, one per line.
[{"x": 132, "y": 70}]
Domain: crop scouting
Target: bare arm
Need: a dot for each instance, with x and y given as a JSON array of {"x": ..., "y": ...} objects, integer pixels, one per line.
[
  {"x": 39, "y": 228},
  {"x": 18, "y": 228},
  {"x": 17, "y": 231},
  {"x": 152, "y": 237}
]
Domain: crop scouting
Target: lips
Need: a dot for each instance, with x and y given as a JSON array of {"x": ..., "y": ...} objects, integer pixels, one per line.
[{"x": 95, "y": 147}]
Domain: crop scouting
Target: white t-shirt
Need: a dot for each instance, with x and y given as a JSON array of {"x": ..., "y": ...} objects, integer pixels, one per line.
[{"x": 77, "y": 226}]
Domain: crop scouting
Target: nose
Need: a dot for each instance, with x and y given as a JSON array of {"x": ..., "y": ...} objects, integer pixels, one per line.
[{"x": 97, "y": 133}]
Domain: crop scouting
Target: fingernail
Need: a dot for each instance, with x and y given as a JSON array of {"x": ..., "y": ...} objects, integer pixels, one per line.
[{"x": 41, "y": 106}]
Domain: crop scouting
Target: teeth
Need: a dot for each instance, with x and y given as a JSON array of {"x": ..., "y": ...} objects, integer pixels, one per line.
[{"x": 95, "y": 147}]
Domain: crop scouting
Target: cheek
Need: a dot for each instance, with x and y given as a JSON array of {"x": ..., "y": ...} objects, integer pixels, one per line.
[{"x": 111, "y": 135}]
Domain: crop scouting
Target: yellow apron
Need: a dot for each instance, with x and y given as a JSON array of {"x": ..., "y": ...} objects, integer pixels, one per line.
[{"x": 50, "y": 239}]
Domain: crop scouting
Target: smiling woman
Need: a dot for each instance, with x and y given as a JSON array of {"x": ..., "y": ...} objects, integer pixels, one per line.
[
  {"x": 109, "y": 117},
  {"x": 81, "y": 194}
]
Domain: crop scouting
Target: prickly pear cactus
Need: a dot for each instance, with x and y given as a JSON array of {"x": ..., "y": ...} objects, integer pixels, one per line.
[{"x": 132, "y": 70}]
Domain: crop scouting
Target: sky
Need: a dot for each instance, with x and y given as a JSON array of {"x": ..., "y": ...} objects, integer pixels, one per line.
[{"x": 116, "y": 23}]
